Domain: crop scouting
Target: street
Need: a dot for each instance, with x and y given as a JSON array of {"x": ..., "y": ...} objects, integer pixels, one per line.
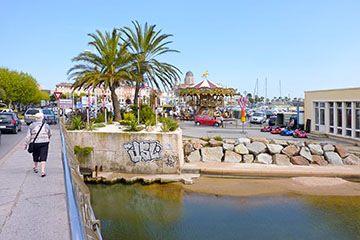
[{"x": 9, "y": 140}]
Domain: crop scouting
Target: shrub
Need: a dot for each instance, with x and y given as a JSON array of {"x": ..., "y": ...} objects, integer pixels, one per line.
[
  {"x": 100, "y": 118},
  {"x": 91, "y": 126},
  {"x": 134, "y": 126},
  {"x": 218, "y": 138},
  {"x": 76, "y": 123},
  {"x": 129, "y": 116},
  {"x": 99, "y": 125},
  {"x": 168, "y": 124},
  {"x": 110, "y": 119},
  {"x": 82, "y": 153}
]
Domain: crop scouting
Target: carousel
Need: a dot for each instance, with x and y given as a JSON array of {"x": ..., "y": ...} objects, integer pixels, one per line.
[{"x": 205, "y": 97}]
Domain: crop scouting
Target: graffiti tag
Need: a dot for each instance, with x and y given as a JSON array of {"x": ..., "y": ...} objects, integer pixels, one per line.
[{"x": 144, "y": 151}]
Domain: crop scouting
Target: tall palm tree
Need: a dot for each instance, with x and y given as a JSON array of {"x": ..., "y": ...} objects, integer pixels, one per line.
[
  {"x": 107, "y": 67},
  {"x": 145, "y": 45}
]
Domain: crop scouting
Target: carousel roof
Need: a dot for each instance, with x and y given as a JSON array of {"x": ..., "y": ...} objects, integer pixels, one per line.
[{"x": 206, "y": 84}]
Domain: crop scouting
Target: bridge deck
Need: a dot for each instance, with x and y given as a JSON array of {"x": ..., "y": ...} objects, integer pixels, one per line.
[{"x": 32, "y": 207}]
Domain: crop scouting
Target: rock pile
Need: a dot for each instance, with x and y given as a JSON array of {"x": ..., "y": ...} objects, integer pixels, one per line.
[{"x": 260, "y": 150}]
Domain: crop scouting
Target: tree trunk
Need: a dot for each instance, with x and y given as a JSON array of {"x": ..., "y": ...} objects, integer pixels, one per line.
[
  {"x": 115, "y": 102},
  {"x": 136, "y": 97}
]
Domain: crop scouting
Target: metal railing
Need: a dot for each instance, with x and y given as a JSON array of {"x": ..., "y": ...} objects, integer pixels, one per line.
[{"x": 79, "y": 205}]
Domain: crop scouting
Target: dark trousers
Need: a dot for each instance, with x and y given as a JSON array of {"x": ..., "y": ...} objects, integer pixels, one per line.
[{"x": 40, "y": 152}]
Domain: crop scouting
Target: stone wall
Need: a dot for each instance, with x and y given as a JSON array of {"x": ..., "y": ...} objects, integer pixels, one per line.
[
  {"x": 260, "y": 150},
  {"x": 130, "y": 152}
]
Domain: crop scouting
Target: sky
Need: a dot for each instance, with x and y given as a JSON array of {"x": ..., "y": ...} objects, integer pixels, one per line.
[{"x": 307, "y": 45}]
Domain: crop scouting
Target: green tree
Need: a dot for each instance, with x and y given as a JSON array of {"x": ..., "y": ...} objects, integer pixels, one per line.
[
  {"x": 145, "y": 45},
  {"x": 107, "y": 67}
]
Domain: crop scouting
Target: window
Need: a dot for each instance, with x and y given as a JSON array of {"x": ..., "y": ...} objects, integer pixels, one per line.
[
  {"x": 348, "y": 119},
  {"x": 357, "y": 120},
  {"x": 331, "y": 117},
  {"x": 339, "y": 118}
]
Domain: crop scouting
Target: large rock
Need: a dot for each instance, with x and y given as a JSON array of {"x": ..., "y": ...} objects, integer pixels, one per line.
[
  {"x": 290, "y": 150},
  {"x": 240, "y": 148},
  {"x": 316, "y": 149},
  {"x": 296, "y": 143},
  {"x": 308, "y": 142},
  {"x": 212, "y": 154},
  {"x": 198, "y": 146},
  {"x": 341, "y": 150},
  {"x": 263, "y": 158},
  {"x": 333, "y": 158},
  {"x": 194, "y": 157},
  {"x": 281, "y": 159},
  {"x": 319, "y": 160},
  {"x": 215, "y": 143},
  {"x": 351, "y": 159},
  {"x": 228, "y": 146},
  {"x": 263, "y": 140},
  {"x": 274, "y": 148},
  {"x": 248, "y": 158},
  {"x": 299, "y": 160},
  {"x": 230, "y": 141},
  {"x": 328, "y": 148},
  {"x": 243, "y": 141},
  {"x": 305, "y": 152},
  {"x": 188, "y": 148},
  {"x": 199, "y": 141},
  {"x": 232, "y": 157},
  {"x": 256, "y": 147},
  {"x": 279, "y": 142}
]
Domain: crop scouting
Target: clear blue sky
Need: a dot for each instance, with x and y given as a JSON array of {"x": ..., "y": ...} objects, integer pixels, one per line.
[{"x": 308, "y": 45}]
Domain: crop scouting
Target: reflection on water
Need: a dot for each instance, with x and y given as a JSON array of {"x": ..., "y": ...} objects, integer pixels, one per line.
[{"x": 167, "y": 212}]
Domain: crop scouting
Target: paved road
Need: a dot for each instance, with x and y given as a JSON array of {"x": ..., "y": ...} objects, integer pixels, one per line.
[
  {"x": 32, "y": 207},
  {"x": 9, "y": 140}
]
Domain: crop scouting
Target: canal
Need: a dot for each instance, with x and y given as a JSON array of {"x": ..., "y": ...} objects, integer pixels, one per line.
[{"x": 168, "y": 212}]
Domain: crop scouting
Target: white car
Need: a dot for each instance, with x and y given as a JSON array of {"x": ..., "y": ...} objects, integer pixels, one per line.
[{"x": 258, "y": 117}]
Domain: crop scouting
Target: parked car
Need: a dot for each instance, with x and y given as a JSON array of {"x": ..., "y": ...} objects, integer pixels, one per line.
[
  {"x": 205, "y": 119},
  {"x": 49, "y": 116},
  {"x": 258, "y": 117},
  {"x": 9, "y": 122}
]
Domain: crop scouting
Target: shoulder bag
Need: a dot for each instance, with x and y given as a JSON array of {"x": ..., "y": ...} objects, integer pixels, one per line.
[{"x": 31, "y": 145}]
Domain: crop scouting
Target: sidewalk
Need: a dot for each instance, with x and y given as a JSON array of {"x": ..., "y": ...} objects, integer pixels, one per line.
[{"x": 32, "y": 207}]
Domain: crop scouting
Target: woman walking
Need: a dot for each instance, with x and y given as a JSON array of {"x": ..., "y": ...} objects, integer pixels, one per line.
[{"x": 41, "y": 133}]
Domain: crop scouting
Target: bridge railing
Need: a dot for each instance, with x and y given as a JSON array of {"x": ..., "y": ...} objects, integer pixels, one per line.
[{"x": 83, "y": 223}]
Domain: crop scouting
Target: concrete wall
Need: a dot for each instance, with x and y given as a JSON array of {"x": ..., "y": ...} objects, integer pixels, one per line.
[{"x": 130, "y": 152}]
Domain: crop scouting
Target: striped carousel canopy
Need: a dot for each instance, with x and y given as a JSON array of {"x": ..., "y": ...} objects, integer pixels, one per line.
[{"x": 206, "y": 84}]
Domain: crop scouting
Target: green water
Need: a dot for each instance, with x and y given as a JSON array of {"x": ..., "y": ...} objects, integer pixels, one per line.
[{"x": 167, "y": 212}]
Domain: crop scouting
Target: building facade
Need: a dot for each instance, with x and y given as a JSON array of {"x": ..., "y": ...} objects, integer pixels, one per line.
[{"x": 334, "y": 112}]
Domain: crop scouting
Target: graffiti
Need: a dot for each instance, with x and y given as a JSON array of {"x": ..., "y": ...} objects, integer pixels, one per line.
[
  {"x": 171, "y": 159},
  {"x": 144, "y": 151},
  {"x": 169, "y": 162}
]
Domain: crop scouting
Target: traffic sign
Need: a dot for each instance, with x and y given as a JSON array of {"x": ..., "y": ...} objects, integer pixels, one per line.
[
  {"x": 65, "y": 103},
  {"x": 57, "y": 95}
]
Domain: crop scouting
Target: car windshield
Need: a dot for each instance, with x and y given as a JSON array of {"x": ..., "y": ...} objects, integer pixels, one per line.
[
  {"x": 47, "y": 112},
  {"x": 258, "y": 114},
  {"x": 32, "y": 112},
  {"x": 5, "y": 116}
]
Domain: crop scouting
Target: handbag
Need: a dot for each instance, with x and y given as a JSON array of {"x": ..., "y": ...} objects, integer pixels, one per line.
[{"x": 31, "y": 145}]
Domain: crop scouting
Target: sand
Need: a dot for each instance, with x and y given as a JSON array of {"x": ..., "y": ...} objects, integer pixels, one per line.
[{"x": 254, "y": 187}]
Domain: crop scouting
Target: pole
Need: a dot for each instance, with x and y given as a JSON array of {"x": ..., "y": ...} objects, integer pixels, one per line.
[
  {"x": 139, "y": 110},
  {"x": 105, "y": 116},
  {"x": 297, "y": 115},
  {"x": 87, "y": 116}
]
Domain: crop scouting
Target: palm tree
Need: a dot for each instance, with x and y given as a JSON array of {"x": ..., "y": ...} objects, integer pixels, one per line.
[
  {"x": 145, "y": 45},
  {"x": 107, "y": 67}
]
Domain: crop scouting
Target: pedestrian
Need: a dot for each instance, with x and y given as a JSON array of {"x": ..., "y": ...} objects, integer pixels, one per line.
[{"x": 41, "y": 133}]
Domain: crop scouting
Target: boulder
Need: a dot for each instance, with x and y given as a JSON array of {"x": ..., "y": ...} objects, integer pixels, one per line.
[
  {"x": 232, "y": 157},
  {"x": 316, "y": 149},
  {"x": 307, "y": 143},
  {"x": 248, "y": 158},
  {"x": 299, "y": 160},
  {"x": 215, "y": 143},
  {"x": 243, "y": 141},
  {"x": 279, "y": 142},
  {"x": 199, "y": 141},
  {"x": 274, "y": 148},
  {"x": 256, "y": 147},
  {"x": 290, "y": 150},
  {"x": 263, "y": 140},
  {"x": 296, "y": 143},
  {"x": 328, "y": 148},
  {"x": 319, "y": 160},
  {"x": 263, "y": 158},
  {"x": 333, "y": 158},
  {"x": 197, "y": 146},
  {"x": 194, "y": 157},
  {"x": 230, "y": 141},
  {"x": 240, "y": 148},
  {"x": 305, "y": 152},
  {"x": 188, "y": 148},
  {"x": 212, "y": 154},
  {"x": 281, "y": 159},
  {"x": 341, "y": 150},
  {"x": 227, "y": 146},
  {"x": 351, "y": 159}
]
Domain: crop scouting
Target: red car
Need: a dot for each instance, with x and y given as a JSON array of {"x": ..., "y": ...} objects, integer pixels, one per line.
[{"x": 205, "y": 119}]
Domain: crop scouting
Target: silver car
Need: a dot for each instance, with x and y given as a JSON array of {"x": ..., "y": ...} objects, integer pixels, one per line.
[
  {"x": 258, "y": 117},
  {"x": 29, "y": 116}
]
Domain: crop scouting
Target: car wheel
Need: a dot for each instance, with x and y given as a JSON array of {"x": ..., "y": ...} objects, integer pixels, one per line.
[
  {"x": 282, "y": 134},
  {"x": 197, "y": 123},
  {"x": 19, "y": 129},
  {"x": 216, "y": 124},
  {"x": 14, "y": 131},
  {"x": 27, "y": 123}
]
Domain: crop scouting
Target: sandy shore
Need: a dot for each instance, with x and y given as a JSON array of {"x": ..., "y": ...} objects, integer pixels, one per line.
[{"x": 253, "y": 187}]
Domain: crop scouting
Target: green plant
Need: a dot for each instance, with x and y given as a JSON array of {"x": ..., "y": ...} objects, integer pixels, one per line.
[
  {"x": 82, "y": 153},
  {"x": 110, "y": 119},
  {"x": 76, "y": 123},
  {"x": 168, "y": 124},
  {"x": 100, "y": 118},
  {"x": 99, "y": 125},
  {"x": 129, "y": 116},
  {"x": 218, "y": 138},
  {"x": 134, "y": 126},
  {"x": 207, "y": 138},
  {"x": 91, "y": 126}
]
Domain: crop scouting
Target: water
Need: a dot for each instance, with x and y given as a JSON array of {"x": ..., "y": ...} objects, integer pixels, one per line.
[{"x": 167, "y": 212}]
